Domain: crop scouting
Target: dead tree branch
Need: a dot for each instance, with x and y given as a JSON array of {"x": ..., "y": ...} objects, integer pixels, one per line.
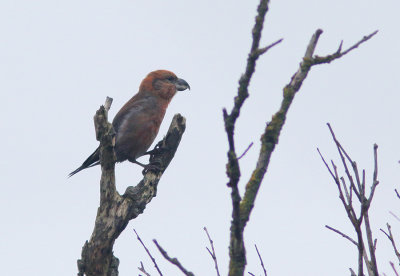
[
  {"x": 397, "y": 193},
  {"x": 115, "y": 210},
  {"x": 246, "y": 150},
  {"x": 357, "y": 185},
  {"x": 339, "y": 53},
  {"x": 342, "y": 234},
  {"x": 148, "y": 253},
  {"x": 394, "y": 268},
  {"x": 389, "y": 235},
  {"x": 212, "y": 253},
  {"x": 261, "y": 261},
  {"x": 394, "y": 215},
  {"x": 365, "y": 256},
  {"x": 242, "y": 207},
  {"x": 141, "y": 268},
  {"x": 173, "y": 261}
]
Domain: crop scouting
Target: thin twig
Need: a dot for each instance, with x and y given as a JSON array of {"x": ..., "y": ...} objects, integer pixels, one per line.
[
  {"x": 173, "y": 261},
  {"x": 327, "y": 166},
  {"x": 213, "y": 255},
  {"x": 394, "y": 268},
  {"x": 344, "y": 154},
  {"x": 339, "y": 53},
  {"x": 244, "y": 153},
  {"x": 342, "y": 234},
  {"x": 389, "y": 235},
  {"x": 148, "y": 253},
  {"x": 397, "y": 193},
  {"x": 143, "y": 270},
  {"x": 364, "y": 39},
  {"x": 335, "y": 177},
  {"x": 262, "y": 51},
  {"x": 261, "y": 260},
  {"x": 394, "y": 215},
  {"x": 364, "y": 201},
  {"x": 375, "y": 181}
]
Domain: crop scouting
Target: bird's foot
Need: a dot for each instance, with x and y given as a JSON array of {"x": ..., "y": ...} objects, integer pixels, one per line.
[
  {"x": 149, "y": 167},
  {"x": 155, "y": 151}
]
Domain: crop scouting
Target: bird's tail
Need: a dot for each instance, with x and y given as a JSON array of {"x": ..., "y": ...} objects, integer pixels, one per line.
[{"x": 91, "y": 161}]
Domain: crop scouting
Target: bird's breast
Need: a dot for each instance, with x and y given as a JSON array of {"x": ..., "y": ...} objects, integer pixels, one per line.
[{"x": 137, "y": 131}]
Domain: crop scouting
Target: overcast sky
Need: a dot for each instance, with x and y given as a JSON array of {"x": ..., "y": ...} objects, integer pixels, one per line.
[{"x": 60, "y": 59}]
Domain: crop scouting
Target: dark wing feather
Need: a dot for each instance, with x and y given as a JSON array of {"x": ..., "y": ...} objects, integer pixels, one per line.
[{"x": 91, "y": 161}]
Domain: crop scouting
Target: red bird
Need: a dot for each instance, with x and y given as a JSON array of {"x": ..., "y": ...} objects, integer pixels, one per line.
[{"x": 137, "y": 123}]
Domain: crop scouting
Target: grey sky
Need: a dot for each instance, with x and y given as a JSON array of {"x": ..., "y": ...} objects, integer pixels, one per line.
[{"x": 60, "y": 59}]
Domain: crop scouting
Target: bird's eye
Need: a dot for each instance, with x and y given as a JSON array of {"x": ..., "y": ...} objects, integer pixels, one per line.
[{"x": 171, "y": 78}]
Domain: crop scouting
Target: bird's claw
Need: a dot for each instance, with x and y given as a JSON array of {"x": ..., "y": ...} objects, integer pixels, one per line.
[
  {"x": 156, "y": 167},
  {"x": 155, "y": 151}
]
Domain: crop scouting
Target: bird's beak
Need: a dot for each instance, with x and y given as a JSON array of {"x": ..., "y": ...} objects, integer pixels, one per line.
[{"x": 181, "y": 85}]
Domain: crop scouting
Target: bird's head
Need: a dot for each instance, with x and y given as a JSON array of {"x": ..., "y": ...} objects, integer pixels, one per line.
[{"x": 163, "y": 84}]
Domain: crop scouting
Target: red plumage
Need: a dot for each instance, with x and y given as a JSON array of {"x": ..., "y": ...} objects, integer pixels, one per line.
[{"x": 137, "y": 123}]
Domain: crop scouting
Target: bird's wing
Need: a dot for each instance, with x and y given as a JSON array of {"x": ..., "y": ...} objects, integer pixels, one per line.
[{"x": 130, "y": 108}]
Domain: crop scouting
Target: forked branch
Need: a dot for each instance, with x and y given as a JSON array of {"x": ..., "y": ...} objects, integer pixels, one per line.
[
  {"x": 242, "y": 207},
  {"x": 115, "y": 210},
  {"x": 357, "y": 185},
  {"x": 173, "y": 261},
  {"x": 149, "y": 254},
  {"x": 212, "y": 251},
  {"x": 389, "y": 235}
]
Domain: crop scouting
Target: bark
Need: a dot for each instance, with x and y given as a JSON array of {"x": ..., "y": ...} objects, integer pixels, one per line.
[{"x": 115, "y": 210}]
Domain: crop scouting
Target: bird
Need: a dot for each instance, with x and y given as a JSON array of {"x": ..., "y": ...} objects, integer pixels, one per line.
[{"x": 137, "y": 123}]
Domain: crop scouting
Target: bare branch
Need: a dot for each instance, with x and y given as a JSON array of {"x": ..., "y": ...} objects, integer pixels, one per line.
[
  {"x": 107, "y": 104},
  {"x": 397, "y": 193},
  {"x": 148, "y": 253},
  {"x": 372, "y": 264},
  {"x": 244, "y": 153},
  {"x": 242, "y": 208},
  {"x": 173, "y": 261},
  {"x": 342, "y": 234},
  {"x": 213, "y": 255},
  {"x": 364, "y": 39},
  {"x": 375, "y": 181},
  {"x": 327, "y": 166},
  {"x": 394, "y": 268},
  {"x": 394, "y": 215},
  {"x": 344, "y": 154},
  {"x": 143, "y": 270},
  {"x": 261, "y": 260},
  {"x": 269, "y": 140},
  {"x": 339, "y": 53},
  {"x": 262, "y": 51},
  {"x": 365, "y": 204},
  {"x": 272, "y": 131},
  {"x": 237, "y": 249},
  {"x": 312, "y": 44},
  {"x": 389, "y": 235}
]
